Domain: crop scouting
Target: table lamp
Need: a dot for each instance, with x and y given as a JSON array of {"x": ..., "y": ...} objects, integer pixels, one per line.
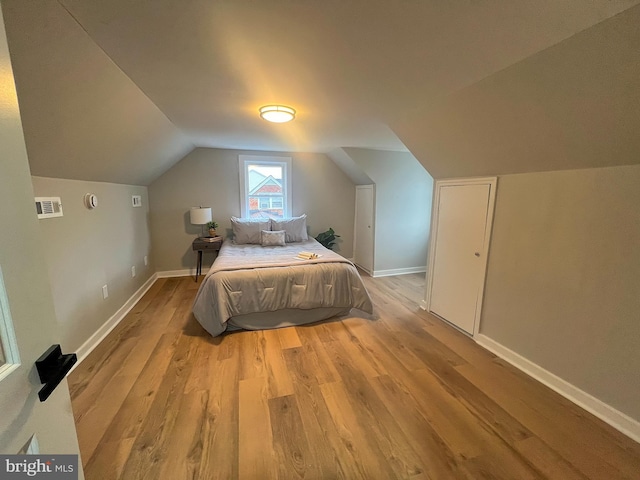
[{"x": 200, "y": 216}]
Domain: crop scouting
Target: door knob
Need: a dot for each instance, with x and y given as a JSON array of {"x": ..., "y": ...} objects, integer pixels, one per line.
[{"x": 477, "y": 254}]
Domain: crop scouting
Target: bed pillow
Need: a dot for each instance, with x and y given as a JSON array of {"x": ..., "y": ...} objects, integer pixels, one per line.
[
  {"x": 249, "y": 230},
  {"x": 273, "y": 239},
  {"x": 295, "y": 228}
]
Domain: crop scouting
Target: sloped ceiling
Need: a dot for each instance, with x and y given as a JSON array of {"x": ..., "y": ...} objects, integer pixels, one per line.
[
  {"x": 574, "y": 105},
  {"x": 119, "y": 90},
  {"x": 347, "y": 164},
  {"x": 82, "y": 117}
]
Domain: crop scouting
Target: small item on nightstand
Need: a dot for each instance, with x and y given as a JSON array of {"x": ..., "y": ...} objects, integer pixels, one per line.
[
  {"x": 211, "y": 226},
  {"x": 211, "y": 239}
]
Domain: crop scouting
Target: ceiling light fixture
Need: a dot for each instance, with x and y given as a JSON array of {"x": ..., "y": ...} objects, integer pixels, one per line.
[{"x": 277, "y": 113}]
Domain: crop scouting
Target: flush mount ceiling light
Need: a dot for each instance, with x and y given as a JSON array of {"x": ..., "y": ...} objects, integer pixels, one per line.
[{"x": 277, "y": 113}]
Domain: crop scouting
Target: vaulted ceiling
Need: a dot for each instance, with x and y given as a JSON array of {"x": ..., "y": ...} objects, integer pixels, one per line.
[{"x": 120, "y": 90}]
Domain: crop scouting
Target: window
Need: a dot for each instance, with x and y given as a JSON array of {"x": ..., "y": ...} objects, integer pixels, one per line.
[{"x": 265, "y": 186}]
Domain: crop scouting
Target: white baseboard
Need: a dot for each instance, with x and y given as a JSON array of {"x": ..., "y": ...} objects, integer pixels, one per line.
[
  {"x": 87, "y": 347},
  {"x": 367, "y": 271},
  {"x": 618, "y": 420},
  {"x": 176, "y": 273},
  {"x": 398, "y": 271}
]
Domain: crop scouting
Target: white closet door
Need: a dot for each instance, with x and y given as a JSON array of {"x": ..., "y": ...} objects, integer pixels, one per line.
[
  {"x": 457, "y": 271},
  {"x": 364, "y": 228}
]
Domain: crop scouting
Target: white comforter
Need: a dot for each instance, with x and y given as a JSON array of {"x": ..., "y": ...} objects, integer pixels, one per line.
[{"x": 246, "y": 279}]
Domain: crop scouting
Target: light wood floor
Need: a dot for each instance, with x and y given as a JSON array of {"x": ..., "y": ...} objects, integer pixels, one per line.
[{"x": 399, "y": 396}]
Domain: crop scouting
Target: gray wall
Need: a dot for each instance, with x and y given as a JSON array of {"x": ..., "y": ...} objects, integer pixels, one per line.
[
  {"x": 209, "y": 177},
  {"x": 403, "y": 207},
  {"x": 86, "y": 249},
  {"x": 563, "y": 281},
  {"x": 28, "y": 292}
]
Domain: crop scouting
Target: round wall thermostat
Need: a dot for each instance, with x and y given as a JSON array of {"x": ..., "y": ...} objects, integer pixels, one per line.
[{"x": 91, "y": 200}]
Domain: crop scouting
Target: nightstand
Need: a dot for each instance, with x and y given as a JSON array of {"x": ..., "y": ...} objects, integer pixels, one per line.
[{"x": 200, "y": 246}]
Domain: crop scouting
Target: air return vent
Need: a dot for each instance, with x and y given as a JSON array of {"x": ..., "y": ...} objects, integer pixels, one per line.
[{"x": 48, "y": 207}]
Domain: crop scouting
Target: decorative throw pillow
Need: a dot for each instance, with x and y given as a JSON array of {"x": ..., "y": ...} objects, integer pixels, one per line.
[
  {"x": 249, "y": 230},
  {"x": 273, "y": 239},
  {"x": 295, "y": 228}
]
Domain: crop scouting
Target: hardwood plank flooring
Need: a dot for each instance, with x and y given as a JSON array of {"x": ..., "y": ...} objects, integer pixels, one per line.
[{"x": 398, "y": 395}]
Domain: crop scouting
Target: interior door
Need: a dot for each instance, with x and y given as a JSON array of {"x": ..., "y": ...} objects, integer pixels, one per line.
[
  {"x": 27, "y": 316},
  {"x": 462, "y": 221},
  {"x": 364, "y": 228}
]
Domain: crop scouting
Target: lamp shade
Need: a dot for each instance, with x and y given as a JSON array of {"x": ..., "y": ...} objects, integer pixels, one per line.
[{"x": 200, "y": 215}]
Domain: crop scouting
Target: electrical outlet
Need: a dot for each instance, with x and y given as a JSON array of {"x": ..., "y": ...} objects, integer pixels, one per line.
[
  {"x": 146, "y": 260},
  {"x": 133, "y": 271},
  {"x": 105, "y": 292}
]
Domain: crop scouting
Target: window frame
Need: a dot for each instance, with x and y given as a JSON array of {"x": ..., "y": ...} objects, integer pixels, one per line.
[{"x": 273, "y": 161}]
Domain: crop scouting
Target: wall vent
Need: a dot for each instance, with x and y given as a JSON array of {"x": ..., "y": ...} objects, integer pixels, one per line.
[{"x": 48, "y": 207}]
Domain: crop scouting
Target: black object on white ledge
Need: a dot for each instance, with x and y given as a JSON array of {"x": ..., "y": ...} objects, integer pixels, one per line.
[{"x": 52, "y": 367}]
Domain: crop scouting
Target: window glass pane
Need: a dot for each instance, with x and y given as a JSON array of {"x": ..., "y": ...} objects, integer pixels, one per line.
[{"x": 266, "y": 188}]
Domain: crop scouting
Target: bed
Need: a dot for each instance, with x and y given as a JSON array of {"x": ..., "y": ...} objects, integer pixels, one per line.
[{"x": 255, "y": 287}]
